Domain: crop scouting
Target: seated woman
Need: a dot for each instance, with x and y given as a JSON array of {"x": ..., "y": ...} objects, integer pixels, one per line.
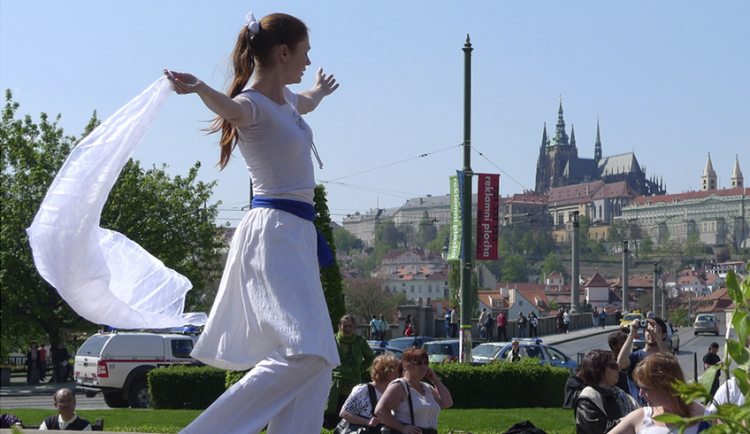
[
  {"x": 655, "y": 376},
  {"x": 358, "y": 408},
  {"x": 601, "y": 405},
  {"x": 415, "y": 405}
]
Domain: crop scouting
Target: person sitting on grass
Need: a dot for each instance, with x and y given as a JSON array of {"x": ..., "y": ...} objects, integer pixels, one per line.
[{"x": 65, "y": 403}]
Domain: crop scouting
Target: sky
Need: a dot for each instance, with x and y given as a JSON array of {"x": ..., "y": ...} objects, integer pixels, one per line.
[{"x": 668, "y": 80}]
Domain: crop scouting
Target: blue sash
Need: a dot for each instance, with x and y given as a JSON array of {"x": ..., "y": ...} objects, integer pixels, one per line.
[{"x": 304, "y": 211}]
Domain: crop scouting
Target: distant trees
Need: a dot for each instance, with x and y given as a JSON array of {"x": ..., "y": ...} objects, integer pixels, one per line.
[
  {"x": 552, "y": 263},
  {"x": 366, "y": 297},
  {"x": 345, "y": 241},
  {"x": 514, "y": 269}
]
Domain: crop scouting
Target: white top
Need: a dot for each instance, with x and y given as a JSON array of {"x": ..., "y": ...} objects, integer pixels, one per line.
[
  {"x": 63, "y": 424},
  {"x": 426, "y": 409},
  {"x": 648, "y": 426},
  {"x": 270, "y": 298},
  {"x": 276, "y": 146},
  {"x": 358, "y": 402},
  {"x": 720, "y": 397}
]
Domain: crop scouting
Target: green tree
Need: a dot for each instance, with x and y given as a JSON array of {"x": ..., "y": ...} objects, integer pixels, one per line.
[
  {"x": 330, "y": 278},
  {"x": 387, "y": 235},
  {"x": 552, "y": 263},
  {"x": 169, "y": 217},
  {"x": 345, "y": 241},
  {"x": 583, "y": 233},
  {"x": 427, "y": 230},
  {"x": 437, "y": 244},
  {"x": 454, "y": 281},
  {"x": 647, "y": 245},
  {"x": 514, "y": 269},
  {"x": 366, "y": 297},
  {"x": 553, "y": 305},
  {"x": 693, "y": 245}
]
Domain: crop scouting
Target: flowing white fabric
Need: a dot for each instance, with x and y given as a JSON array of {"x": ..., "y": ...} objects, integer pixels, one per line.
[{"x": 105, "y": 277}]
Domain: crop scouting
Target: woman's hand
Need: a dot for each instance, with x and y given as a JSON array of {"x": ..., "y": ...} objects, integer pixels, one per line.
[
  {"x": 374, "y": 422},
  {"x": 326, "y": 83},
  {"x": 184, "y": 83},
  {"x": 431, "y": 375}
]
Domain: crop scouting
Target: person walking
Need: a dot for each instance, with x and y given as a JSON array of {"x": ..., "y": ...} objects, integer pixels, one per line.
[
  {"x": 560, "y": 323},
  {"x": 489, "y": 325},
  {"x": 375, "y": 329},
  {"x": 521, "y": 325},
  {"x": 712, "y": 359},
  {"x": 275, "y": 256},
  {"x": 533, "y": 323},
  {"x": 502, "y": 323},
  {"x": 60, "y": 363},
  {"x": 603, "y": 317},
  {"x": 407, "y": 323},
  {"x": 595, "y": 316},
  {"x": 383, "y": 328},
  {"x": 566, "y": 322},
  {"x": 480, "y": 323},
  {"x": 454, "y": 323}
]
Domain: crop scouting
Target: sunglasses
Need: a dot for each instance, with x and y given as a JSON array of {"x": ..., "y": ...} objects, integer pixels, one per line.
[
  {"x": 613, "y": 365},
  {"x": 420, "y": 363}
]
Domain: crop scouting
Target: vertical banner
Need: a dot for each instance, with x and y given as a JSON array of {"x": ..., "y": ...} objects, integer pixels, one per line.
[
  {"x": 488, "y": 210},
  {"x": 454, "y": 248}
]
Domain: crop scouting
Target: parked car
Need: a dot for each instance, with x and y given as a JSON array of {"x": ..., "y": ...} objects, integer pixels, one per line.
[
  {"x": 630, "y": 317},
  {"x": 117, "y": 364},
  {"x": 445, "y": 350},
  {"x": 379, "y": 351},
  {"x": 498, "y": 352},
  {"x": 706, "y": 323},
  {"x": 672, "y": 341},
  {"x": 406, "y": 343}
]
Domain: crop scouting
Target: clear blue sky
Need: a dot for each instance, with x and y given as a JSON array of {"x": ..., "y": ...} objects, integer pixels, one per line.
[{"x": 668, "y": 79}]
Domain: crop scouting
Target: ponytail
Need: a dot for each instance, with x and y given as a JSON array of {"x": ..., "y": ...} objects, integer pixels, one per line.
[{"x": 274, "y": 30}]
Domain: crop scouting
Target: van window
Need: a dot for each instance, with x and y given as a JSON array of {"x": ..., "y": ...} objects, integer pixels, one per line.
[
  {"x": 534, "y": 351},
  {"x": 93, "y": 346},
  {"x": 181, "y": 348},
  {"x": 442, "y": 349}
]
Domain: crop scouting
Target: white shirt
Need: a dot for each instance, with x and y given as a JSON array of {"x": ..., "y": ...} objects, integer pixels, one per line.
[
  {"x": 63, "y": 424},
  {"x": 720, "y": 397}
]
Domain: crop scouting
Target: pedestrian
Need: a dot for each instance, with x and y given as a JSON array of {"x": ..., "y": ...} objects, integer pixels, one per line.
[
  {"x": 618, "y": 317},
  {"x": 515, "y": 354},
  {"x": 502, "y": 323},
  {"x": 454, "y": 323},
  {"x": 559, "y": 322},
  {"x": 603, "y": 317},
  {"x": 33, "y": 365},
  {"x": 533, "y": 323},
  {"x": 42, "y": 363},
  {"x": 712, "y": 359},
  {"x": 409, "y": 332},
  {"x": 595, "y": 316},
  {"x": 480, "y": 321},
  {"x": 60, "y": 363},
  {"x": 488, "y": 325},
  {"x": 375, "y": 329},
  {"x": 383, "y": 328},
  {"x": 273, "y": 258},
  {"x": 448, "y": 326},
  {"x": 356, "y": 358},
  {"x": 407, "y": 323},
  {"x": 628, "y": 359},
  {"x": 566, "y": 322},
  {"x": 521, "y": 325}
]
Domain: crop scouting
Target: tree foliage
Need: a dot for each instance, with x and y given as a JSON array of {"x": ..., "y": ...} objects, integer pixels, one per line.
[
  {"x": 514, "y": 269},
  {"x": 330, "y": 278},
  {"x": 345, "y": 241},
  {"x": 169, "y": 217},
  {"x": 552, "y": 263},
  {"x": 366, "y": 297}
]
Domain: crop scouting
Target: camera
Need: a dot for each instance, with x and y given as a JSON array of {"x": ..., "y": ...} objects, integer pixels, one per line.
[{"x": 643, "y": 323}]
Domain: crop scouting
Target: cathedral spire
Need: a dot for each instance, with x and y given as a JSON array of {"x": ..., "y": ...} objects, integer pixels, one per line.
[
  {"x": 561, "y": 137},
  {"x": 737, "y": 180},
  {"x": 572, "y": 135},
  {"x": 598, "y": 144},
  {"x": 708, "y": 179}
]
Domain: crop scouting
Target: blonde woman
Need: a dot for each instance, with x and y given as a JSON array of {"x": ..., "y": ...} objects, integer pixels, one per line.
[{"x": 359, "y": 406}]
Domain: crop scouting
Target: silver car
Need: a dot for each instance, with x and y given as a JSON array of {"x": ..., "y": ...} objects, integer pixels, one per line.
[
  {"x": 706, "y": 323},
  {"x": 672, "y": 341}
]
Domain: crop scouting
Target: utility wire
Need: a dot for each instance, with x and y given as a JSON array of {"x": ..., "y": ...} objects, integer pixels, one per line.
[
  {"x": 395, "y": 163},
  {"x": 473, "y": 148}
]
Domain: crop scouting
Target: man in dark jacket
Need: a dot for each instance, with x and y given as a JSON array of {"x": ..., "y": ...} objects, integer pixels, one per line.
[{"x": 65, "y": 403}]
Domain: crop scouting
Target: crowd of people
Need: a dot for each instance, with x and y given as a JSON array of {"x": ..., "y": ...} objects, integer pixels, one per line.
[{"x": 38, "y": 363}]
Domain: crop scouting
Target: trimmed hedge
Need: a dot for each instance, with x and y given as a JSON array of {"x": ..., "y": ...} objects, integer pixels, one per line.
[
  {"x": 504, "y": 385},
  {"x": 185, "y": 387},
  {"x": 526, "y": 384}
]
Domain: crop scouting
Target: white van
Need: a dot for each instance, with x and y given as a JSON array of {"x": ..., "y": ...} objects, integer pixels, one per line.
[{"x": 116, "y": 364}]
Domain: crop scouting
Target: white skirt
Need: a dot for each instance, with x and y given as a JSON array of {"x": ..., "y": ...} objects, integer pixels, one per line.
[{"x": 270, "y": 297}]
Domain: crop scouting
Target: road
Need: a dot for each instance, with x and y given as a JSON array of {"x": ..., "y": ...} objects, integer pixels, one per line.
[{"x": 690, "y": 345}]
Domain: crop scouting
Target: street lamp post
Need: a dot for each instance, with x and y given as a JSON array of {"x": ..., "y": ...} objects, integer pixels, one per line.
[
  {"x": 655, "y": 306},
  {"x": 467, "y": 260},
  {"x": 575, "y": 302},
  {"x": 624, "y": 276}
]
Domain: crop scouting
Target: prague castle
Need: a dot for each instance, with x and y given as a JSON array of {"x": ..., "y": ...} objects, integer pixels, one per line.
[{"x": 558, "y": 164}]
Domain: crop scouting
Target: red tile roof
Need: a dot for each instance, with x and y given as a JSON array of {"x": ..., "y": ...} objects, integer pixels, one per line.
[
  {"x": 573, "y": 193},
  {"x": 539, "y": 199},
  {"x": 555, "y": 274},
  {"x": 669, "y": 198},
  {"x": 596, "y": 281},
  {"x": 617, "y": 189},
  {"x": 718, "y": 301}
]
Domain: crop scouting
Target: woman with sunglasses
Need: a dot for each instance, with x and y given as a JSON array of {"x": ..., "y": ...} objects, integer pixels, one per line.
[
  {"x": 601, "y": 405},
  {"x": 415, "y": 405}
]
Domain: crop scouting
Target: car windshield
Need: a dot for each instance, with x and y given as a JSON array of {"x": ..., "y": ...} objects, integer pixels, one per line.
[
  {"x": 401, "y": 343},
  {"x": 632, "y": 316},
  {"x": 442, "y": 349},
  {"x": 485, "y": 351},
  {"x": 706, "y": 318}
]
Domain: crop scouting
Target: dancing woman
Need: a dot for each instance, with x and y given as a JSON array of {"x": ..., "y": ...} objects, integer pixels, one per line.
[{"x": 270, "y": 313}]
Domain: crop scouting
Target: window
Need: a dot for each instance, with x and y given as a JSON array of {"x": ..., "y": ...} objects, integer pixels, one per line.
[
  {"x": 412, "y": 289},
  {"x": 555, "y": 355},
  {"x": 181, "y": 348},
  {"x": 520, "y": 302},
  {"x": 534, "y": 351}
]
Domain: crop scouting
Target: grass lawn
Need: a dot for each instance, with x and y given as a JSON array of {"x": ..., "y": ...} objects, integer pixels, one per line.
[{"x": 482, "y": 421}]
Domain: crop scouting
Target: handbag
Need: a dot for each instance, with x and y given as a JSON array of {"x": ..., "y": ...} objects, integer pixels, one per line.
[
  {"x": 389, "y": 430},
  {"x": 345, "y": 427}
]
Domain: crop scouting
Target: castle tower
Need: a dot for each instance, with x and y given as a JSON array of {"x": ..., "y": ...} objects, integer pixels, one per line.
[
  {"x": 708, "y": 179},
  {"x": 598, "y": 144},
  {"x": 737, "y": 180},
  {"x": 542, "y": 165},
  {"x": 561, "y": 137}
]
